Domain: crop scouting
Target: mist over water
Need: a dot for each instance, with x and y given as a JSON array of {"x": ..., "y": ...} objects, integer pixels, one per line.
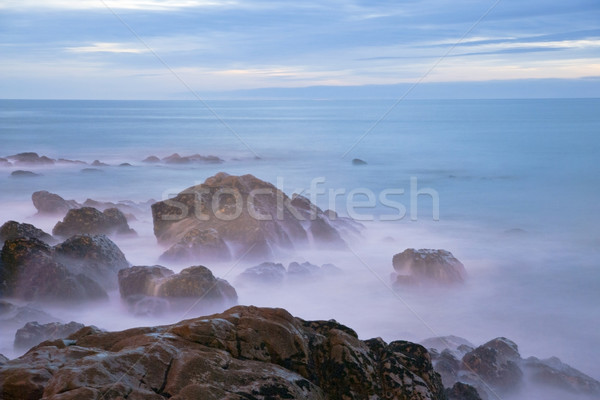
[{"x": 526, "y": 165}]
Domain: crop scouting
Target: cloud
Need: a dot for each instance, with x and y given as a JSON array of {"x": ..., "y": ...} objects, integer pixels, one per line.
[
  {"x": 158, "y": 5},
  {"x": 108, "y": 48}
]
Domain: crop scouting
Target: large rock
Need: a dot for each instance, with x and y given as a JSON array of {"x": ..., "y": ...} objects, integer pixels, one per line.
[
  {"x": 253, "y": 217},
  {"x": 198, "y": 246},
  {"x": 555, "y": 374},
  {"x": 462, "y": 391},
  {"x": 156, "y": 289},
  {"x": 88, "y": 220},
  {"x": 427, "y": 266},
  {"x": 51, "y": 203},
  {"x": 13, "y": 230},
  {"x": 30, "y": 158},
  {"x": 243, "y": 353},
  {"x": 34, "y": 333}
]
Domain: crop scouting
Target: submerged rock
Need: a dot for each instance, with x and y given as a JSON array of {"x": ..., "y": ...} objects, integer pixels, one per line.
[
  {"x": 265, "y": 273},
  {"x": 427, "y": 266},
  {"x": 269, "y": 273},
  {"x": 358, "y": 161},
  {"x": 243, "y": 353},
  {"x": 98, "y": 163},
  {"x": 253, "y": 217},
  {"x": 88, "y": 220},
  {"x": 13, "y": 316},
  {"x": 12, "y": 230},
  {"x": 30, "y": 158},
  {"x": 34, "y": 333},
  {"x": 23, "y": 174},
  {"x": 555, "y": 374},
  {"x": 195, "y": 158},
  {"x": 151, "y": 159}
]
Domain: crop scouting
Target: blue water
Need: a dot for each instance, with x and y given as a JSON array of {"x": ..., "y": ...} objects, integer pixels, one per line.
[{"x": 496, "y": 165}]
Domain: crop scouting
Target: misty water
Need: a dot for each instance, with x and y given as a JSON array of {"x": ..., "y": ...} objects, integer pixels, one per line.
[{"x": 518, "y": 184}]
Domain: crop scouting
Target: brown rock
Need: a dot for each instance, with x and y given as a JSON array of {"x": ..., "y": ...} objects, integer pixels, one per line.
[
  {"x": 88, "y": 220},
  {"x": 50, "y": 203},
  {"x": 33, "y": 333},
  {"x": 427, "y": 266},
  {"x": 13, "y": 230},
  {"x": 198, "y": 246}
]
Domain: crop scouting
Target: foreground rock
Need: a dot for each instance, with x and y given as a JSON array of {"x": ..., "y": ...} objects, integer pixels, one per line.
[
  {"x": 33, "y": 333},
  {"x": 13, "y": 230},
  {"x": 497, "y": 369},
  {"x": 88, "y": 220},
  {"x": 251, "y": 216},
  {"x": 243, "y": 353},
  {"x": 155, "y": 290},
  {"x": 427, "y": 266},
  {"x": 77, "y": 270}
]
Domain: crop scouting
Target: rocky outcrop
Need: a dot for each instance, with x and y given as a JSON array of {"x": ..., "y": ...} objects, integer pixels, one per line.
[
  {"x": 496, "y": 369},
  {"x": 243, "y": 353},
  {"x": 427, "y": 266},
  {"x": 88, "y": 220},
  {"x": 78, "y": 269},
  {"x": 34, "y": 333},
  {"x": 195, "y": 158},
  {"x": 198, "y": 246},
  {"x": 52, "y": 204},
  {"x": 13, "y": 230},
  {"x": 155, "y": 290},
  {"x": 30, "y": 158},
  {"x": 253, "y": 217}
]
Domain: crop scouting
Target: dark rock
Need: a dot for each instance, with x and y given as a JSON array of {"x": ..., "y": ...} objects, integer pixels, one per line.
[
  {"x": 151, "y": 159},
  {"x": 176, "y": 159},
  {"x": 98, "y": 163},
  {"x": 358, "y": 161},
  {"x": 497, "y": 363},
  {"x": 556, "y": 374},
  {"x": 141, "y": 286},
  {"x": 65, "y": 161},
  {"x": 125, "y": 165},
  {"x": 243, "y": 353},
  {"x": 91, "y": 171},
  {"x": 31, "y": 272},
  {"x": 252, "y": 216},
  {"x": 88, "y": 220},
  {"x": 4, "y": 162},
  {"x": 195, "y": 158},
  {"x": 96, "y": 257},
  {"x": 3, "y": 359},
  {"x": 265, "y": 273},
  {"x": 50, "y": 203},
  {"x": 30, "y": 158},
  {"x": 23, "y": 174},
  {"x": 462, "y": 391},
  {"x": 12, "y": 230},
  {"x": 428, "y": 266},
  {"x": 33, "y": 333},
  {"x": 198, "y": 246}
]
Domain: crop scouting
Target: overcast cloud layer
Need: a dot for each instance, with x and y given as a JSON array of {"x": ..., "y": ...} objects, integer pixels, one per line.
[{"x": 139, "y": 48}]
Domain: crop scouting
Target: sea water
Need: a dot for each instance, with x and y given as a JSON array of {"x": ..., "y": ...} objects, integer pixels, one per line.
[{"x": 518, "y": 184}]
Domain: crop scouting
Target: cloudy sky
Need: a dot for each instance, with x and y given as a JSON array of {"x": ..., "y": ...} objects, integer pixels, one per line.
[{"x": 151, "y": 49}]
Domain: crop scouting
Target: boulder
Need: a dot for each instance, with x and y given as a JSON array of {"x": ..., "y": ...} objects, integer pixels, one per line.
[
  {"x": 554, "y": 373},
  {"x": 30, "y": 158},
  {"x": 13, "y": 316},
  {"x": 198, "y": 246},
  {"x": 23, "y": 174},
  {"x": 88, "y": 220},
  {"x": 95, "y": 256},
  {"x": 253, "y": 217},
  {"x": 151, "y": 160},
  {"x": 243, "y": 353},
  {"x": 52, "y": 204},
  {"x": 427, "y": 266},
  {"x": 462, "y": 391},
  {"x": 265, "y": 273},
  {"x": 30, "y": 271},
  {"x": 34, "y": 333},
  {"x": 98, "y": 163},
  {"x": 358, "y": 161},
  {"x": 12, "y": 230},
  {"x": 144, "y": 287},
  {"x": 303, "y": 271}
]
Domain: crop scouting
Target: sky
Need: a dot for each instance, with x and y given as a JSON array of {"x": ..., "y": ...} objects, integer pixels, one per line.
[{"x": 151, "y": 49}]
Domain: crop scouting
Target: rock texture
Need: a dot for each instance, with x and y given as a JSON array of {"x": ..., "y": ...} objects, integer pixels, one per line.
[
  {"x": 72, "y": 271},
  {"x": 427, "y": 266},
  {"x": 51, "y": 203},
  {"x": 88, "y": 220},
  {"x": 155, "y": 290},
  {"x": 253, "y": 217},
  {"x": 33, "y": 333},
  {"x": 13, "y": 230},
  {"x": 243, "y": 353},
  {"x": 198, "y": 246}
]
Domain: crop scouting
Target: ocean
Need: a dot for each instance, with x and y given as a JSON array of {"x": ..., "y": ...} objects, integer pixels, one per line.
[{"x": 517, "y": 182}]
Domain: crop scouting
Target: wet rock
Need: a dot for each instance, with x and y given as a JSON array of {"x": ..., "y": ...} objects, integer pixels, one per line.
[
  {"x": 12, "y": 230},
  {"x": 141, "y": 280},
  {"x": 30, "y": 158},
  {"x": 265, "y": 273},
  {"x": 13, "y": 316},
  {"x": 94, "y": 256},
  {"x": 426, "y": 266},
  {"x": 555, "y": 374},
  {"x": 98, "y": 163},
  {"x": 253, "y": 217},
  {"x": 23, "y": 174},
  {"x": 358, "y": 161},
  {"x": 198, "y": 246},
  {"x": 34, "y": 333},
  {"x": 197, "y": 282},
  {"x": 243, "y": 353},
  {"x": 88, "y": 220},
  {"x": 462, "y": 391},
  {"x": 52, "y": 204},
  {"x": 151, "y": 159},
  {"x": 30, "y": 271}
]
